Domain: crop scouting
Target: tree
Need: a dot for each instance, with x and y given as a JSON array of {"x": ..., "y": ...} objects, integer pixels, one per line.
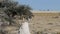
[{"x": 12, "y": 9}]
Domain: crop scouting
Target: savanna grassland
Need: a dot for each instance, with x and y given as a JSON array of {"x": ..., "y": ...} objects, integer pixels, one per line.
[{"x": 45, "y": 22}]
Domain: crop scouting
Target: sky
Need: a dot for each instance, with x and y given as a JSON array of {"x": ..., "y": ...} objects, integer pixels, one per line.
[{"x": 42, "y": 4}]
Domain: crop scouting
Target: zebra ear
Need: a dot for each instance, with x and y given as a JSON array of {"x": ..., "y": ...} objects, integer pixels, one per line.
[{"x": 29, "y": 19}]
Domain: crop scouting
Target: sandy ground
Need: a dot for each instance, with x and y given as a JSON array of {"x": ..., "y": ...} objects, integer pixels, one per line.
[{"x": 48, "y": 22}]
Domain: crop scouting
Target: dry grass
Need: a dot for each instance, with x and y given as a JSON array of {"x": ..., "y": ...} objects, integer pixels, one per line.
[
  {"x": 45, "y": 21},
  {"x": 42, "y": 22}
]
